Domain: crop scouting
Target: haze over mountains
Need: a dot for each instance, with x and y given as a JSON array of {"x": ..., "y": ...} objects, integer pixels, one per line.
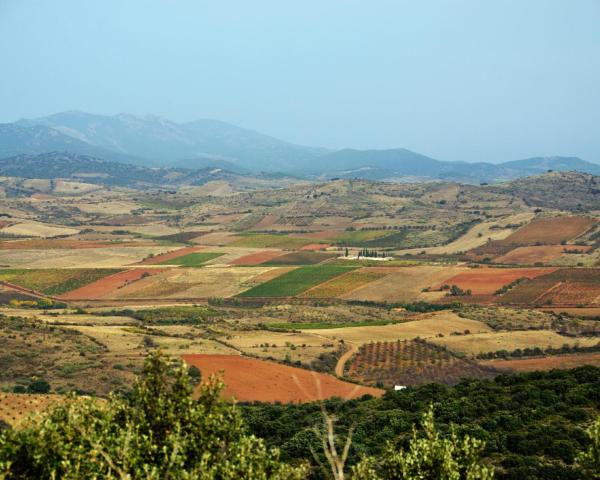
[{"x": 153, "y": 141}]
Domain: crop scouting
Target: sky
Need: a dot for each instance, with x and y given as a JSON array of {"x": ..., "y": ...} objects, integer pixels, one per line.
[{"x": 476, "y": 80}]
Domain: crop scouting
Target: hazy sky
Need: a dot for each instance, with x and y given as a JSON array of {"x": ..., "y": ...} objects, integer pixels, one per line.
[{"x": 486, "y": 80}]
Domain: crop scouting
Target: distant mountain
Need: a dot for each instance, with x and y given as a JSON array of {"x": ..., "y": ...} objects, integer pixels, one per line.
[
  {"x": 168, "y": 143},
  {"x": 537, "y": 165},
  {"x": 16, "y": 139},
  {"x": 402, "y": 164},
  {"x": 155, "y": 141},
  {"x": 89, "y": 169}
]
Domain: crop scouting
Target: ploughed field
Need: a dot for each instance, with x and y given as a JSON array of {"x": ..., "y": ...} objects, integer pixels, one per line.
[{"x": 250, "y": 380}]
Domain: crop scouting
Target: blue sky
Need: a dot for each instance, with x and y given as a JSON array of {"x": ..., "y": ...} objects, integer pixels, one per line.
[{"x": 477, "y": 80}]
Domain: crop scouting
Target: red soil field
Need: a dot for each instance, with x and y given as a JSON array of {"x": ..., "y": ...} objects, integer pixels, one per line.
[
  {"x": 484, "y": 281},
  {"x": 250, "y": 380},
  {"x": 540, "y": 253},
  {"x": 105, "y": 286},
  {"x": 550, "y": 230},
  {"x": 315, "y": 247},
  {"x": 257, "y": 258},
  {"x": 170, "y": 255},
  {"x": 545, "y": 363}
]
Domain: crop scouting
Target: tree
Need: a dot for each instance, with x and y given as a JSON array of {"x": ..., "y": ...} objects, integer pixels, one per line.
[
  {"x": 157, "y": 432},
  {"x": 590, "y": 459},
  {"x": 429, "y": 457}
]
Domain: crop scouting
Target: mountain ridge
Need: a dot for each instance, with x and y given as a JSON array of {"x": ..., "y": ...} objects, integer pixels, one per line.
[{"x": 156, "y": 141}]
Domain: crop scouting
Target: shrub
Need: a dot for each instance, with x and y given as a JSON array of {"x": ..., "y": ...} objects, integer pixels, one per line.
[{"x": 157, "y": 432}]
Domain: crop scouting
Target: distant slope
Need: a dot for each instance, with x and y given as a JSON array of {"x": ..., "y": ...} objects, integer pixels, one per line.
[
  {"x": 561, "y": 190},
  {"x": 156, "y": 141},
  {"x": 168, "y": 143},
  {"x": 89, "y": 169},
  {"x": 16, "y": 139},
  {"x": 405, "y": 164}
]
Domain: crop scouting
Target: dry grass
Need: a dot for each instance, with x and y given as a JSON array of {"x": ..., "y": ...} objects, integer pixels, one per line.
[
  {"x": 210, "y": 281},
  {"x": 343, "y": 284},
  {"x": 430, "y": 325},
  {"x": 545, "y": 363},
  {"x": 34, "y": 229},
  {"x": 110, "y": 257},
  {"x": 402, "y": 284},
  {"x": 492, "y": 342},
  {"x": 534, "y": 254}
]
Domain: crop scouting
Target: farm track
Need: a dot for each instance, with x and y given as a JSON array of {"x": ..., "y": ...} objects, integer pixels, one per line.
[
  {"x": 27, "y": 291},
  {"x": 341, "y": 363}
]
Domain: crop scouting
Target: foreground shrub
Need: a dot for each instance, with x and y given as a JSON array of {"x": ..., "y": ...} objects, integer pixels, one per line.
[
  {"x": 429, "y": 457},
  {"x": 158, "y": 432}
]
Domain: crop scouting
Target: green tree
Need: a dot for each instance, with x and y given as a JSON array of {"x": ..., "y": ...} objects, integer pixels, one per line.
[
  {"x": 429, "y": 457},
  {"x": 590, "y": 459},
  {"x": 158, "y": 432}
]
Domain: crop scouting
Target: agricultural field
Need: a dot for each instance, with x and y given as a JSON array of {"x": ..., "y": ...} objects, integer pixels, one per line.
[
  {"x": 196, "y": 259},
  {"x": 116, "y": 256},
  {"x": 544, "y": 363},
  {"x": 409, "y": 363},
  {"x": 34, "y": 229},
  {"x": 106, "y": 285},
  {"x": 300, "y": 258},
  {"x": 54, "y": 281},
  {"x": 296, "y": 281},
  {"x": 427, "y": 325},
  {"x": 343, "y": 284},
  {"x": 251, "y": 380},
  {"x": 404, "y": 284},
  {"x": 472, "y": 344},
  {"x": 538, "y": 254},
  {"x": 257, "y": 258},
  {"x": 551, "y": 230},
  {"x": 263, "y": 240},
  {"x": 194, "y": 283},
  {"x": 563, "y": 287},
  {"x": 486, "y": 281}
]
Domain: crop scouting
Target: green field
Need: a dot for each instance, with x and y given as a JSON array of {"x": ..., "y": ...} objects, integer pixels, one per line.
[
  {"x": 297, "y": 281},
  {"x": 196, "y": 259},
  {"x": 267, "y": 240},
  {"x": 53, "y": 281},
  {"x": 358, "y": 237}
]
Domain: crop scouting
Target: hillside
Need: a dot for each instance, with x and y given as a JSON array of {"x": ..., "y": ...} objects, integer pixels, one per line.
[
  {"x": 402, "y": 164},
  {"x": 562, "y": 190},
  {"x": 166, "y": 142}
]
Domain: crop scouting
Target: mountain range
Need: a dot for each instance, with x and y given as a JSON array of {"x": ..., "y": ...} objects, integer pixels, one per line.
[{"x": 153, "y": 141}]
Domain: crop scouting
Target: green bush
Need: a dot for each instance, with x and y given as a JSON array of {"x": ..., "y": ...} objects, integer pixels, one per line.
[
  {"x": 158, "y": 432},
  {"x": 429, "y": 457}
]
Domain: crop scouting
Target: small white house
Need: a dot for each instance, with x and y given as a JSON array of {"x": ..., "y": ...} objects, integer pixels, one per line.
[{"x": 399, "y": 387}]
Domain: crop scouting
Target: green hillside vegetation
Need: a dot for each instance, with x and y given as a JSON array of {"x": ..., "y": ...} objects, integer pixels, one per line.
[{"x": 533, "y": 425}]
